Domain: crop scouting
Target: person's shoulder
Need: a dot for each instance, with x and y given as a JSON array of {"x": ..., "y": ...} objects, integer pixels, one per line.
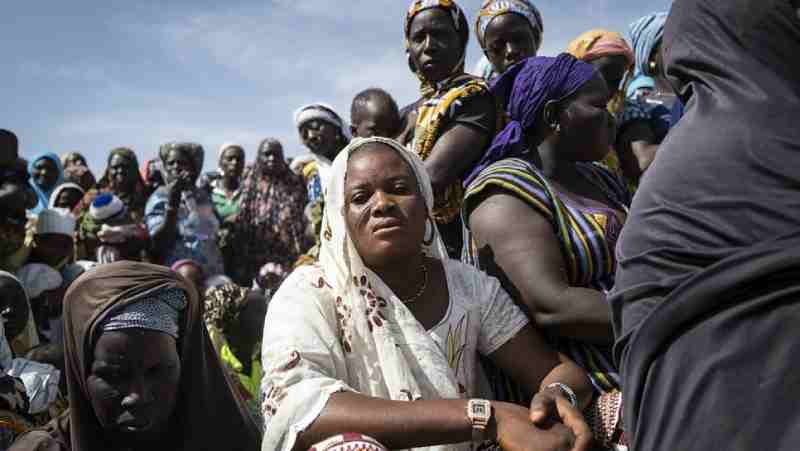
[
  {"x": 52, "y": 437},
  {"x": 305, "y": 287},
  {"x": 509, "y": 173},
  {"x": 469, "y": 284}
]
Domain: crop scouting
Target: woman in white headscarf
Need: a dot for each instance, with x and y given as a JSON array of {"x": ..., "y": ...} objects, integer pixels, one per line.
[{"x": 385, "y": 318}]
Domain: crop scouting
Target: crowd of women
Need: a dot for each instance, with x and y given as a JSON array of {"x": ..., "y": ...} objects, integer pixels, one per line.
[{"x": 471, "y": 271}]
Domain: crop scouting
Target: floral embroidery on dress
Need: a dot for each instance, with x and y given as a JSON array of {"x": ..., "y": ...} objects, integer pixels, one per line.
[
  {"x": 375, "y": 304},
  {"x": 343, "y": 314},
  {"x": 273, "y": 397}
]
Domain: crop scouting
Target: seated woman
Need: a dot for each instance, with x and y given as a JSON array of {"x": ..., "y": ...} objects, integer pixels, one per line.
[
  {"x": 179, "y": 216},
  {"x": 508, "y": 31},
  {"x": 613, "y": 58},
  {"x": 555, "y": 250},
  {"x": 141, "y": 372},
  {"x": 387, "y": 318},
  {"x": 46, "y": 174},
  {"x": 456, "y": 116}
]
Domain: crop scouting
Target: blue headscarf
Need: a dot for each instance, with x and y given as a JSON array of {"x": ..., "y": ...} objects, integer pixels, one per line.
[
  {"x": 641, "y": 81},
  {"x": 644, "y": 35},
  {"x": 44, "y": 196},
  {"x": 524, "y": 89}
]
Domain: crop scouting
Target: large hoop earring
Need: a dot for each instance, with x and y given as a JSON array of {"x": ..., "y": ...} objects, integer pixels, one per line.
[{"x": 429, "y": 223}]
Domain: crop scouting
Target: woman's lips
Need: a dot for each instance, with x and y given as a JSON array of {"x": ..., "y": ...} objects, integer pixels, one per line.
[{"x": 387, "y": 226}]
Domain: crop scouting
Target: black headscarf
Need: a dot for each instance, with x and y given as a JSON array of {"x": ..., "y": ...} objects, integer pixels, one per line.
[{"x": 705, "y": 303}]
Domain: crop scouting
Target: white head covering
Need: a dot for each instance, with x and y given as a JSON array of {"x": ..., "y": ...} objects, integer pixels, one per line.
[
  {"x": 374, "y": 325},
  {"x": 323, "y": 112},
  {"x": 106, "y": 206},
  {"x": 62, "y": 187},
  {"x": 228, "y": 145},
  {"x": 55, "y": 221}
]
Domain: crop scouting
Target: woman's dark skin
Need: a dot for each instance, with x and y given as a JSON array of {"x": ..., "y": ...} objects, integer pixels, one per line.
[
  {"x": 613, "y": 69},
  {"x": 509, "y": 39},
  {"x": 322, "y": 138},
  {"x": 435, "y": 49},
  {"x": 133, "y": 386},
  {"x": 75, "y": 159},
  {"x": 385, "y": 216},
  {"x": 270, "y": 158},
  {"x": 183, "y": 176},
  {"x": 231, "y": 162},
  {"x": 45, "y": 174},
  {"x": 523, "y": 250},
  {"x": 122, "y": 174},
  {"x": 68, "y": 198},
  {"x": 194, "y": 274},
  {"x": 13, "y": 307}
]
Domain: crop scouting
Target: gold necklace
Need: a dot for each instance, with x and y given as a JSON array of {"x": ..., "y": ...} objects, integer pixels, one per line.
[{"x": 422, "y": 286}]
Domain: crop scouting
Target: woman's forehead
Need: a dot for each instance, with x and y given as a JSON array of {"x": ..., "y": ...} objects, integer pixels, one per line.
[
  {"x": 431, "y": 18},
  {"x": 375, "y": 159}
]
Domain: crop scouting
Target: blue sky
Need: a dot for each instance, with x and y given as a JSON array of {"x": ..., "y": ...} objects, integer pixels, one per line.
[{"x": 91, "y": 75}]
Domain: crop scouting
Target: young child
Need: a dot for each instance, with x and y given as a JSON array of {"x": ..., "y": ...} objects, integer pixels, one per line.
[
  {"x": 374, "y": 113},
  {"x": 109, "y": 233}
]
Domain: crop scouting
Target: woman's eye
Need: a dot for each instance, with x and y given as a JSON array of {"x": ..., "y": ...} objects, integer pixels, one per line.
[{"x": 358, "y": 199}]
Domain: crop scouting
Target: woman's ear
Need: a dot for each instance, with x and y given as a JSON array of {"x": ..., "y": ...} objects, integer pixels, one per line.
[{"x": 550, "y": 113}]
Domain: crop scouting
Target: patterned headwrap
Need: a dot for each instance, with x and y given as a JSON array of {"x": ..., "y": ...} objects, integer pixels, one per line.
[
  {"x": 524, "y": 90},
  {"x": 645, "y": 34},
  {"x": 224, "y": 303},
  {"x": 598, "y": 43},
  {"x": 194, "y": 151},
  {"x": 160, "y": 313},
  {"x": 494, "y": 8},
  {"x": 429, "y": 87}
]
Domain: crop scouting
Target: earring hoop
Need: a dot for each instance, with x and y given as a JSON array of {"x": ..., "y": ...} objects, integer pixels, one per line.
[{"x": 429, "y": 241}]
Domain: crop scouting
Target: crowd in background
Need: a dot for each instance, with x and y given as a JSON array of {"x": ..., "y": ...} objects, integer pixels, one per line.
[{"x": 594, "y": 250}]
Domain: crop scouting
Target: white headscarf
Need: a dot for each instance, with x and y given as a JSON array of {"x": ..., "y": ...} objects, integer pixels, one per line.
[
  {"x": 323, "y": 112},
  {"x": 371, "y": 342}
]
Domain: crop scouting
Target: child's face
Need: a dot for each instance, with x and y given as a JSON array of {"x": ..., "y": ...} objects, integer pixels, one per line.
[
  {"x": 68, "y": 199},
  {"x": 376, "y": 119}
]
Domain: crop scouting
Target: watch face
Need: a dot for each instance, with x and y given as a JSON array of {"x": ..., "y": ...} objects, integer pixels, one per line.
[{"x": 479, "y": 409}]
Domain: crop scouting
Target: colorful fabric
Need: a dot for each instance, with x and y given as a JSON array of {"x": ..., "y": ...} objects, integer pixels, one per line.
[
  {"x": 225, "y": 204},
  {"x": 640, "y": 82},
  {"x": 523, "y": 91},
  {"x": 434, "y": 115},
  {"x": 42, "y": 195},
  {"x": 587, "y": 238},
  {"x": 197, "y": 229},
  {"x": 271, "y": 224},
  {"x": 644, "y": 35},
  {"x": 159, "y": 312},
  {"x": 598, "y": 43},
  {"x": 493, "y": 8},
  {"x": 223, "y": 304}
]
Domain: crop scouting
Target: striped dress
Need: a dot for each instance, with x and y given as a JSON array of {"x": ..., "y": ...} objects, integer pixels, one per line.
[{"x": 587, "y": 236}]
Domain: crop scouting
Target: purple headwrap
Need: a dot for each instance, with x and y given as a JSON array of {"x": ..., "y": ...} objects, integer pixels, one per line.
[{"x": 524, "y": 89}]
